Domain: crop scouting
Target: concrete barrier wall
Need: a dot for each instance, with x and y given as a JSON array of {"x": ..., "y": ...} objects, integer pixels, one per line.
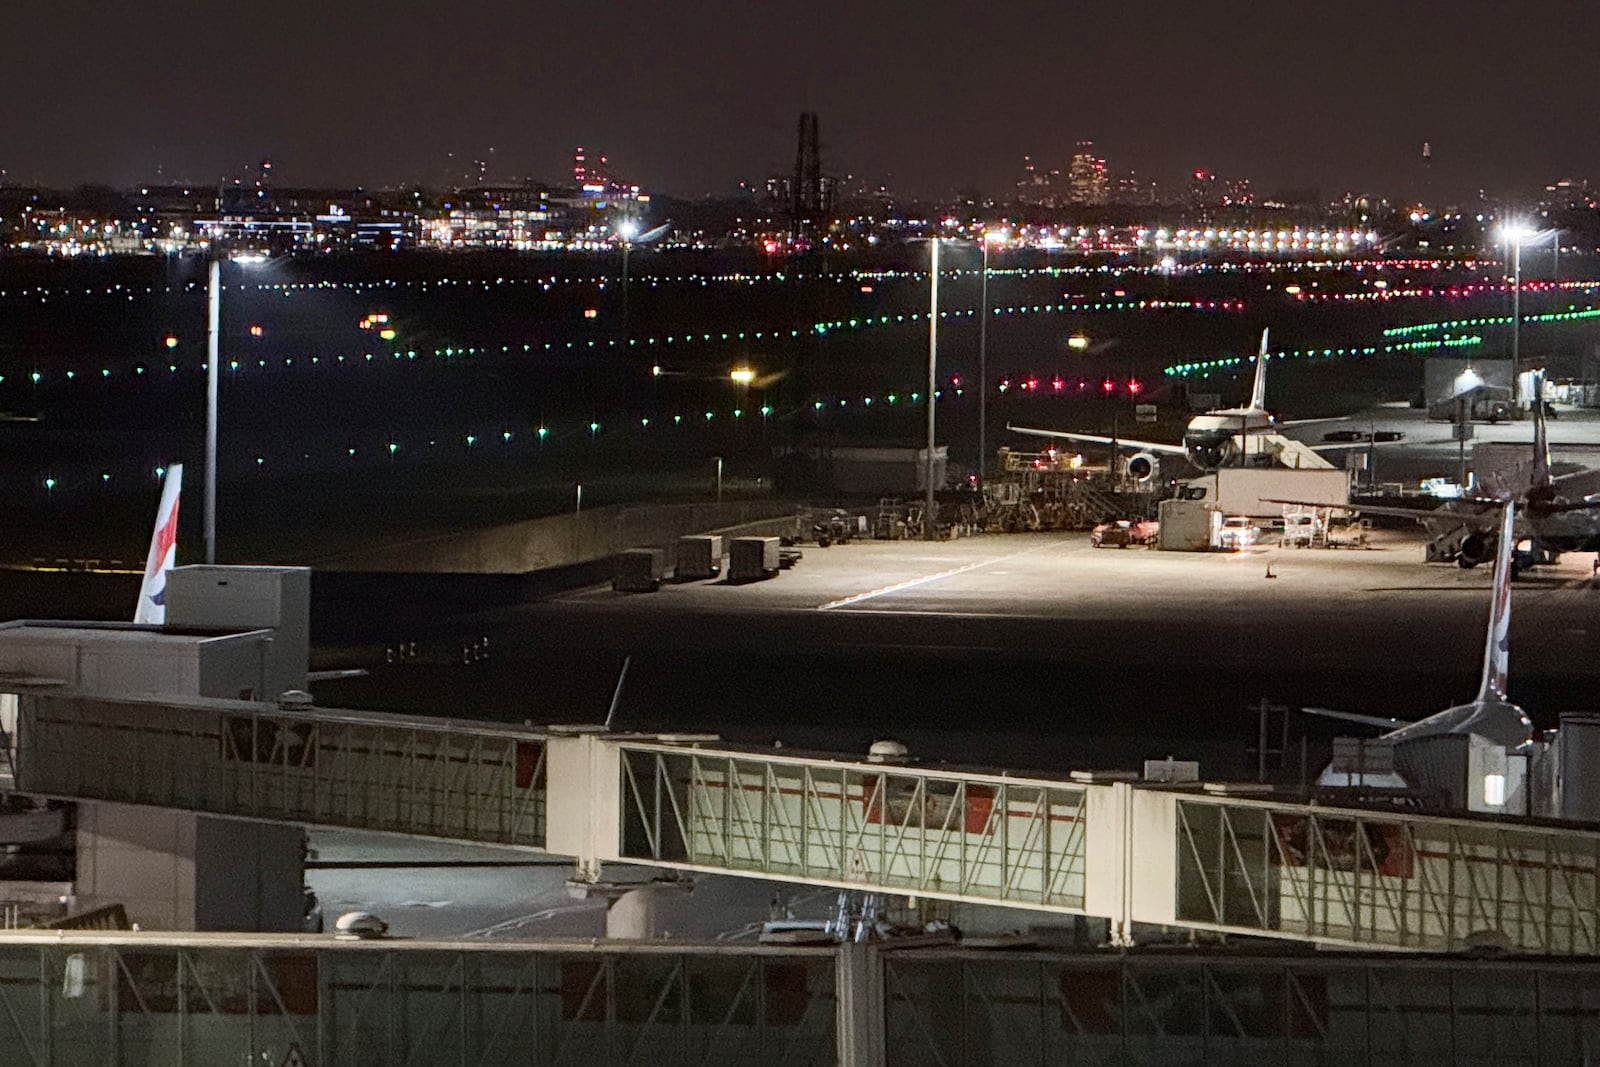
[{"x": 564, "y": 540}]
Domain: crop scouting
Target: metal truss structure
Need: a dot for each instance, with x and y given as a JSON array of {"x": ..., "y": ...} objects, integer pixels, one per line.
[
  {"x": 92, "y": 1000},
  {"x": 971, "y": 837},
  {"x": 972, "y": 1009},
  {"x": 322, "y": 1003},
  {"x": 407, "y": 774},
  {"x": 1134, "y": 855},
  {"x": 1406, "y": 881}
]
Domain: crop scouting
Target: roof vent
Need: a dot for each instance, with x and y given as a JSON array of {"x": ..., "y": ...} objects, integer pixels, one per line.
[{"x": 888, "y": 752}]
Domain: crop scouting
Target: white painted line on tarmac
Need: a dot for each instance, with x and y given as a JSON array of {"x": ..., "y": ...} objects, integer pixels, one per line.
[{"x": 912, "y": 583}]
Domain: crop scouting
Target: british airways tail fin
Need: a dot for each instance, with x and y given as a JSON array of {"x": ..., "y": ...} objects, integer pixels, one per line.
[
  {"x": 163, "y": 552},
  {"x": 1496, "y": 652},
  {"x": 1258, "y": 395}
]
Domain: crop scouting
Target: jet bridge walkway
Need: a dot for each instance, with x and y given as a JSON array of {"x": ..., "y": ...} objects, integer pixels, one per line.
[{"x": 1132, "y": 853}]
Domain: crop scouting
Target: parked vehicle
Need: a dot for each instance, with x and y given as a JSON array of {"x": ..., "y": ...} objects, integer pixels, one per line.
[
  {"x": 1237, "y": 533},
  {"x": 1124, "y": 532}
]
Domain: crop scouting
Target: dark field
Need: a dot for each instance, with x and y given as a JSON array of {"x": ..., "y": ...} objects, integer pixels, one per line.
[{"x": 307, "y": 470}]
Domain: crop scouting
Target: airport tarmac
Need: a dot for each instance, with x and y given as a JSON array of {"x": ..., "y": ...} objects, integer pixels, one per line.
[
  {"x": 426, "y": 888},
  {"x": 1235, "y": 605},
  {"x": 1022, "y": 650}
]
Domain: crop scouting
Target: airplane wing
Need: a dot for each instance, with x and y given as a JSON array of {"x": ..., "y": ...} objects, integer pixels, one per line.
[
  {"x": 1487, "y": 519},
  {"x": 1282, "y": 424},
  {"x": 1098, "y": 439},
  {"x": 336, "y": 675},
  {"x": 1578, "y": 483},
  {"x": 1351, "y": 716},
  {"x": 1383, "y": 443}
]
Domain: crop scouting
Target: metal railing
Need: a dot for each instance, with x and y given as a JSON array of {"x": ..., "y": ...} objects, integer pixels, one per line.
[
  {"x": 953, "y": 1009},
  {"x": 861, "y": 825},
  {"x": 183, "y": 1002}
]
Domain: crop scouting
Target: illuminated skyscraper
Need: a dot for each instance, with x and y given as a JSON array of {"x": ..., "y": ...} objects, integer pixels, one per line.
[{"x": 1087, "y": 181}]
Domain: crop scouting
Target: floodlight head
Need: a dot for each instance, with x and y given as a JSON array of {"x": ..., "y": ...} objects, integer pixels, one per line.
[{"x": 1515, "y": 232}]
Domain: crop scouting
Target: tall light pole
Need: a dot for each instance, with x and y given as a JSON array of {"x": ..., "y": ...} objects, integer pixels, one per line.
[
  {"x": 213, "y": 321},
  {"x": 989, "y": 238},
  {"x": 626, "y": 230},
  {"x": 213, "y": 371},
  {"x": 933, "y": 380},
  {"x": 1516, "y": 233}
]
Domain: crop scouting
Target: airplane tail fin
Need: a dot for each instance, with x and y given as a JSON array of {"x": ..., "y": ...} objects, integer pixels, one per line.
[
  {"x": 1541, "y": 442},
  {"x": 163, "y": 555},
  {"x": 1496, "y": 649},
  {"x": 1258, "y": 394}
]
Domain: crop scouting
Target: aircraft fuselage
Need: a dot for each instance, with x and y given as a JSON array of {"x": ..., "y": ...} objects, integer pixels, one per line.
[{"x": 1213, "y": 440}]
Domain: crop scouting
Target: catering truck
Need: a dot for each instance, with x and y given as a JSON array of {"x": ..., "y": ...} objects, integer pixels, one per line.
[{"x": 1251, "y": 491}]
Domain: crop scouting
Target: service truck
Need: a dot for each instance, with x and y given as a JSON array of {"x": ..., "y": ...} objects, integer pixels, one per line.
[{"x": 1250, "y": 490}]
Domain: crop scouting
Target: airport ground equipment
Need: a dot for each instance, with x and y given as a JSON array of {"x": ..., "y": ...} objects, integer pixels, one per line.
[
  {"x": 699, "y": 557},
  {"x": 1254, "y": 491},
  {"x": 1186, "y": 526},
  {"x": 889, "y": 524},
  {"x": 751, "y": 559},
  {"x": 1054, "y": 491},
  {"x": 1195, "y": 857},
  {"x": 1304, "y": 527},
  {"x": 835, "y": 527},
  {"x": 639, "y": 570}
]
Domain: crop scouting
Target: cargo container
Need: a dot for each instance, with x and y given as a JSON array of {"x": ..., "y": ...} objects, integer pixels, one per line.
[
  {"x": 1186, "y": 526},
  {"x": 750, "y": 559},
  {"x": 699, "y": 557},
  {"x": 639, "y": 570}
]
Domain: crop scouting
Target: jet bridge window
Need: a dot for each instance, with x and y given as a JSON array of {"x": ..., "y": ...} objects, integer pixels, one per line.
[
  {"x": 897, "y": 800},
  {"x": 248, "y": 739}
]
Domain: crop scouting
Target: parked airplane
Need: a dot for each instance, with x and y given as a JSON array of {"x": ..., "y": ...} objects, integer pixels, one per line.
[
  {"x": 1488, "y": 714},
  {"x": 1551, "y": 520},
  {"x": 1213, "y": 439},
  {"x": 163, "y": 555}
]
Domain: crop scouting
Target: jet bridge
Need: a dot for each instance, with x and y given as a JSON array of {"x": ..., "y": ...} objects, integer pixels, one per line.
[{"x": 1072, "y": 845}]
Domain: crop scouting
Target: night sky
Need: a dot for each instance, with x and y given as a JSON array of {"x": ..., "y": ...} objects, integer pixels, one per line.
[{"x": 692, "y": 97}]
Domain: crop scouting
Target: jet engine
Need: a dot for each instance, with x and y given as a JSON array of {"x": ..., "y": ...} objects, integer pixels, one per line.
[
  {"x": 1474, "y": 549},
  {"x": 1141, "y": 466}
]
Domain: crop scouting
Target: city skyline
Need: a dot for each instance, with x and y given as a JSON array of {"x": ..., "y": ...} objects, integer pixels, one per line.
[{"x": 919, "y": 96}]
